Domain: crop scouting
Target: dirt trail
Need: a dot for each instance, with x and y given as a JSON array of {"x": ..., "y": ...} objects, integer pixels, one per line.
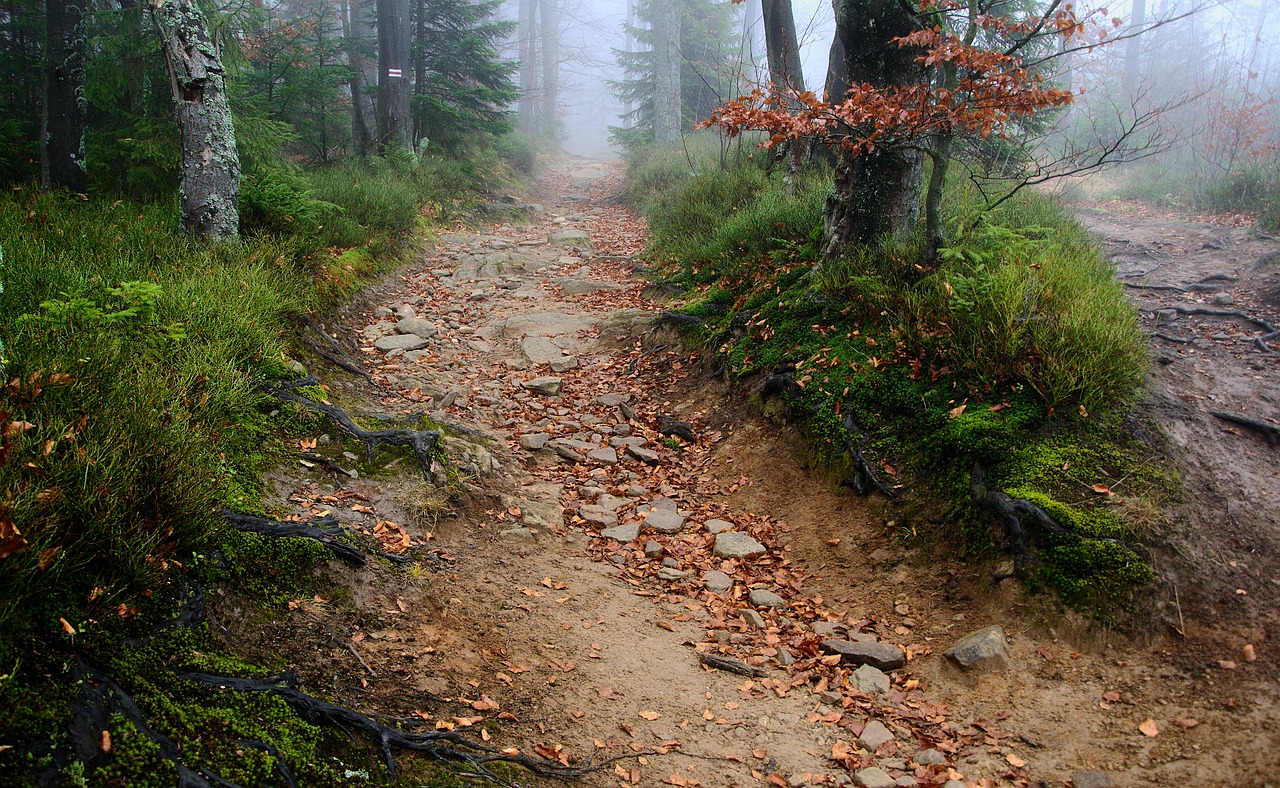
[{"x": 582, "y": 646}]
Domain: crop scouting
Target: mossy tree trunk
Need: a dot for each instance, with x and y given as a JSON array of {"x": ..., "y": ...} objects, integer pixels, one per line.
[
  {"x": 877, "y": 193},
  {"x": 62, "y": 121},
  {"x": 210, "y": 164}
]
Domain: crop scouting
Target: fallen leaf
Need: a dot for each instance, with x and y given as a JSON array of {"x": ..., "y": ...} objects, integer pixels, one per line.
[
  {"x": 650, "y": 715},
  {"x": 66, "y": 627},
  {"x": 1149, "y": 728},
  {"x": 1226, "y": 664},
  {"x": 1015, "y": 761},
  {"x": 1250, "y": 654},
  {"x": 1186, "y": 722},
  {"x": 1102, "y": 489},
  {"x": 957, "y": 411},
  {"x": 105, "y": 742}
]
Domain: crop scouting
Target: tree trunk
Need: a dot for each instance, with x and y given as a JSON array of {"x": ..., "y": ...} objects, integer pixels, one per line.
[
  {"x": 837, "y": 84},
  {"x": 62, "y": 162},
  {"x": 1133, "y": 50},
  {"x": 419, "y": 67},
  {"x": 785, "y": 69},
  {"x": 754, "y": 45},
  {"x": 666, "y": 68},
  {"x": 943, "y": 145},
  {"x": 527, "y": 32},
  {"x": 878, "y": 193},
  {"x": 210, "y": 164},
  {"x": 358, "y": 34},
  {"x": 549, "y": 119},
  {"x": 394, "y": 61}
]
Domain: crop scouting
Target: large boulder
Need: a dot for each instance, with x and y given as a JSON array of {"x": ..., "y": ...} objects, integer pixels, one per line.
[{"x": 982, "y": 650}]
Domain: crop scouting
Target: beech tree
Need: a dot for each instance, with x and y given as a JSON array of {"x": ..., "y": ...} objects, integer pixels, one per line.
[
  {"x": 394, "y": 85},
  {"x": 210, "y": 184}
]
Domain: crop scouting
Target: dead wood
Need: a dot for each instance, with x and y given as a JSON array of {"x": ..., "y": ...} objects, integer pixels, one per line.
[
  {"x": 448, "y": 746},
  {"x": 328, "y": 464},
  {"x": 422, "y": 442},
  {"x": 1206, "y": 311},
  {"x": 330, "y": 350},
  {"x": 680, "y": 429},
  {"x": 732, "y": 666},
  {"x": 1271, "y": 431}
]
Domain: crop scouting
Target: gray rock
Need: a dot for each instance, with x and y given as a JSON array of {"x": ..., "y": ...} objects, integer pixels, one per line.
[
  {"x": 763, "y": 597},
  {"x": 874, "y": 735},
  {"x": 829, "y": 629},
  {"x": 627, "y": 532},
  {"x": 297, "y": 367},
  {"x": 1084, "y": 779},
  {"x": 647, "y": 456},
  {"x": 599, "y": 515},
  {"x": 612, "y": 400},
  {"x": 663, "y": 504},
  {"x": 671, "y": 575},
  {"x": 753, "y": 618},
  {"x": 717, "y": 526},
  {"x": 984, "y": 649},
  {"x": 735, "y": 544},
  {"x": 543, "y": 515},
  {"x": 547, "y": 386},
  {"x": 534, "y": 441},
  {"x": 1224, "y": 299},
  {"x": 653, "y": 548},
  {"x": 572, "y": 287},
  {"x": 929, "y": 757},
  {"x": 570, "y": 238},
  {"x": 405, "y": 310},
  {"x": 401, "y": 342},
  {"x": 871, "y": 680},
  {"x": 671, "y": 562},
  {"x": 785, "y": 658},
  {"x": 955, "y": 784},
  {"x": 540, "y": 350},
  {"x": 417, "y": 326},
  {"x": 604, "y": 456},
  {"x": 612, "y": 502},
  {"x": 874, "y": 777},
  {"x": 884, "y": 656},
  {"x": 906, "y": 781},
  {"x": 717, "y": 582},
  {"x": 516, "y": 533},
  {"x": 564, "y": 364},
  {"x": 663, "y": 521}
]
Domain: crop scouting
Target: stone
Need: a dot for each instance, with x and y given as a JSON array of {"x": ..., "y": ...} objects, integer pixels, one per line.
[
  {"x": 570, "y": 238},
  {"x": 717, "y": 582},
  {"x": 604, "y": 456},
  {"x": 983, "y": 649},
  {"x": 297, "y": 367},
  {"x": 663, "y": 521},
  {"x": 874, "y": 735},
  {"x": 1224, "y": 299},
  {"x": 516, "y": 533},
  {"x": 612, "y": 502},
  {"x": 785, "y": 658},
  {"x": 753, "y": 618},
  {"x": 829, "y": 629},
  {"x": 417, "y": 326},
  {"x": 671, "y": 575},
  {"x": 874, "y": 777},
  {"x": 540, "y": 350},
  {"x": 401, "y": 342},
  {"x": 884, "y": 656},
  {"x": 671, "y": 562},
  {"x": 955, "y": 784},
  {"x": 627, "y": 532},
  {"x": 405, "y": 310},
  {"x": 546, "y": 386},
  {"x": 564, "y": 364},
  {"x": 543, "y": 515},
  {"x": 534, "y": 441},
  {"x": 929, "y": 757},
  {"x": 717, "y": 526},
  {"x": 599, "y": 515},
  {"x": 653, "y": 548},
  {"x": 735, "y": 544},
  {"x": 572, "y": 286},
  {"x": 612, "y": 400},
  {"x": 763, "y": 597},
  {"x": 871, "y": 680},
  {"x": 647, "y": 456},
  {"x": 1085, "y": 779},
  {"x": 906, "y": 781}
]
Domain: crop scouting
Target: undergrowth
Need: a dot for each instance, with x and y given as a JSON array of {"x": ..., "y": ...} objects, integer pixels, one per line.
[
  {"x": 1014, "y": 349},
  {"x": 130, "y": 416}
]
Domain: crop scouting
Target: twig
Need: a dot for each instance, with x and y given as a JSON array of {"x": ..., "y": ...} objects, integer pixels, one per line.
[{"x": 731, "y": 666}]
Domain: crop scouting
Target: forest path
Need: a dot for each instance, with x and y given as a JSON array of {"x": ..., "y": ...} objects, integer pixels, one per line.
[{"x": 579, "y": 580}]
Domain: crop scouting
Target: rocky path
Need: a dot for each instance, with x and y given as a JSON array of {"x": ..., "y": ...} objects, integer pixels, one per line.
[{"x": 635, "y": 570}]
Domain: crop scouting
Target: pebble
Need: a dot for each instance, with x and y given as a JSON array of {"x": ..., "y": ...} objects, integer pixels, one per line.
[
  {"x": 546, "y": 386},
  {"x": 671, "y": 575},
  {"x": 1224, "y": 299},
  {"x": 929, "y": 757},
  {"x": 762, "y": 597},
  {"x": 663, "y": 521},
  {"x": 871, "y": 681},
  {"x": 717, "y": 582},
  {"x": 735, "y": 544},
  {"x": 753, "y": 618},
  {"x": 717, "y": 526},
  {"x": 534, "y": 441},
  {"x": 626, "y": 532},
  {"x": 653, "y": 549},
  {"x": 874, "y": 735},
  {"x": 647, "y": 456},
  {"x": 874, "y": 777},
  {"x": 785, "y": 658}
]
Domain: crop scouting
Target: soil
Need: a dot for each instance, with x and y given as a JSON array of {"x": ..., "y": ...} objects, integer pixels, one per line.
[{"x": 529, "y": 626}]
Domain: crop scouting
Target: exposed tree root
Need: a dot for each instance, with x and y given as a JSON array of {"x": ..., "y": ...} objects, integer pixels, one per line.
[
  {"x": 864, "y": 476},
  {"x": 448, "y": 746},
  {"x": 1171, "y": 338},
  {"x": 680, "y": 429},
  {"x": 1015, "y": 513},
  {"x": 731, "y": 666},
  {"x": 677, "y": 319},
  {"x": 422, "y": 442},
  {"x": 331, "y": 351},
  {"x": 1206, "y": 311},
  {"x": 1173, "y": 288},
  {"x": 1271, "y": 431},
  {"x": 327, "y": 531},
  {"x": 328, "y": 464},
  {"x": 99, "y": 700}
]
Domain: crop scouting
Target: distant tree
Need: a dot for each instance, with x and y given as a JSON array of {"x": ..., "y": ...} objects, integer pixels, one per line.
[
  {"x": 210, "y": 163},
  {"x": 63, "y": 119},
  {"x": 709, "y": 62},
  {"x": 21, "y": 61},
  {"x": 461, "y": 84},
  {"x": 360, "y": 41}
]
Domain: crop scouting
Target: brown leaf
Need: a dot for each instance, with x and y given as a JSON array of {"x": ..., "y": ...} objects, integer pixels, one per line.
[
  {"x": 1250, "y": 654},
  {"x": 650, "y": 715},
  {"x": 1015, "y": 761},
  {"x": 957, "y": 411},
  {"x": 1149, "y": 728},
  {"x": 1102, "y": 489},
  {"x": 105, "y": 742},
  {"x": 66, "y": 627}
]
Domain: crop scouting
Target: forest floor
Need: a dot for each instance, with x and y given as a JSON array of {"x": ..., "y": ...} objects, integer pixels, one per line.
[{"x": 539, "y": 633}]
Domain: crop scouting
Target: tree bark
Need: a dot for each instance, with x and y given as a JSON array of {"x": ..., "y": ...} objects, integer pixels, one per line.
[
  {"x": 210, "y": 163},
  {"x": 359, "y": 34},
  {"x": 785, "y": 69},
  {"x": 62, "y": 163},
  {"x": 666, "y": 67},
  {"x": 1133, "y": 50},
  {"x": 528, "y": 35},
  {"x": 878, "y": 193},
  {"x": 394, "y": 57},
  {"x": 549, "y": 118}
]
